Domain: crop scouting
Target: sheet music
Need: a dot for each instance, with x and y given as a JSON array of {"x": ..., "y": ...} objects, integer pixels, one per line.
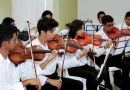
[
  {"x": 124, "y": 43},
  {"x": 89, "y": 27}
]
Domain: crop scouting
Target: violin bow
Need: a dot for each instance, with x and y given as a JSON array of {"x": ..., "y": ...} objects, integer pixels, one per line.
[
  {"x": 63, "y": 57},
  {"x": 93, "y": 41},
  {"x": 119, "y": 34},
  {"x": 28, "y": 26},
  {"x": 125, "y": 37}
]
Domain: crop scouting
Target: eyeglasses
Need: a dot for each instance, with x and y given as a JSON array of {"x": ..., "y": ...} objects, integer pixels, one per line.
[{"x": 110, "y": 25}]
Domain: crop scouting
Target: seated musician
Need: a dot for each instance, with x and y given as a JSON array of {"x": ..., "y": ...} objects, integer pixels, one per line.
[
  {"x": 79, "y": 66},
  {"x": 126, "y": 22},
  {"x": 46, "y": 29},
  {"x": 12, "y": 71},
  {"x": 108, "y": 23}
]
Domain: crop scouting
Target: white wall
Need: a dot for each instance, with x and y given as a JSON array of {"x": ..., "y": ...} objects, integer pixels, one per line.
[
  {"x": 29, "y": 10},
  {"x": 88, "y": 9}
]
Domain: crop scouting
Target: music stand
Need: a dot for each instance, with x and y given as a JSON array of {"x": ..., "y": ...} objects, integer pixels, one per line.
[
  {"x": 89, "y": 27},
  {"x": 123, "y": 46}
]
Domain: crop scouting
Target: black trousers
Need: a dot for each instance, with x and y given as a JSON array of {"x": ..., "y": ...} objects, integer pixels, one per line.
[
  {"x": 67, "y": 84},
  {"x": 87, "y": 72}
]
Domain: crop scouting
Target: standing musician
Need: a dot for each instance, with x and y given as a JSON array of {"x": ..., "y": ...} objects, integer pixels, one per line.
[
  {"x": 126, "y": 24},
  {"x": 11, "y": 72},
  {"x": 79, "y": 66},
  {"x": 117, "y": 61},
  {"x": 46, "y": 28}
]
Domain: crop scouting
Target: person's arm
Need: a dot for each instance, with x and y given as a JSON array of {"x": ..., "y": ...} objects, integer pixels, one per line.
[
  {"x": 99, "y": 50},
  {"x": 55, "y": 82},
  {"x": 73, "y": 61},
  {"x": 33, "y": 81},
  {"x": 50, "y": 57},
  {"x": 4, "y": 84},
  {"x": 17, "y": 86},
  {"x": 27, "y": 72},
  {"x": 44, "y": 64}
]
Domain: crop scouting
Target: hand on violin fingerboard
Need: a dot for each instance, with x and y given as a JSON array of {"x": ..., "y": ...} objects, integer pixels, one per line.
[{"x": 52, "y": 55}]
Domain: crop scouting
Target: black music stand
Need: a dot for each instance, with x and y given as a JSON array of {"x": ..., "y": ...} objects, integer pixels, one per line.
[
  {"x": 89, "y": 27},
  {"x": 123, "y": 46}
]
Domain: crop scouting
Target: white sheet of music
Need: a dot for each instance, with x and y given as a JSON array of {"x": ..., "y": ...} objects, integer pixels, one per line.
[
  {"x": 121, "y": 44},
  {"x": 89, "y": 27}
]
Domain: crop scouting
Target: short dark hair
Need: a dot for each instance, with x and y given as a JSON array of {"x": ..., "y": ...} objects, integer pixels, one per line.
[
  {"x": 6, "y": 32},
  {"x": 101, "y": 12},
  {"x": 67, "y": 25},
  {"x": 8, "y": 20},
  {"x": 127, "y": 14},
  {"x": 107, "y": 18},
  {"x": 46, "y": 24},
  {"x": 74, "y": 27},
  {"x": 46, "y": 13}
]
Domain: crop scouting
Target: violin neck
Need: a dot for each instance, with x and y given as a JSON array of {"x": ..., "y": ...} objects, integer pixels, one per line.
[
  {"x": 41, "y": 51},
  {"x": 125, "y": 33},
  {"x": 75, "y": 46},
  {"x": 99, "y": 39}
]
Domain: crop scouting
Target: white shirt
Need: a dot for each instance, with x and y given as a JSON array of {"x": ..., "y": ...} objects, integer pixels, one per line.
[
  {"x": 1, "y": 58},
  {"x": 51, "y": 66},
  {"x": 125, "y": 26},
  {"x": 63, "y": 32},
  {"x": 10, "y": 75},
  {"x": 34, "y": 33},
  {"x": 101, "y": 51},
  {"x": 70, "y": 61}
]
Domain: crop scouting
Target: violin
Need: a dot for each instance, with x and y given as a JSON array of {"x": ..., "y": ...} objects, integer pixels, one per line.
[
  {"x": 21, "y": 54},
  {"x": 84, "y": 40},
  {"x": 87, "y": 39},
  {"x": 124, "y": 32},
  {"x": 115, "y": 33},
  {"x": 58, "y": 43}
]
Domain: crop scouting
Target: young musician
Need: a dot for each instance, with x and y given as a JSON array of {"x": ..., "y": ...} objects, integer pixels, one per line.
[
  {"x": 47, "y": 13},
  {"x": 8, "y": 20},
  {"x": 108, "y": 26},
  {"x": 100, "y": 15},
  {"x": 126, "y": 24},
  {"x": 34, "y": 32},
  {"x": 79, "y": 67},
  {"x": 11, "y": 72},
  {"x": 46, "y": 28}
]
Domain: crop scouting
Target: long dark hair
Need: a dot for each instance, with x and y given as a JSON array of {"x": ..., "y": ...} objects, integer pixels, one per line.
[{"x": 74, "y": 27}]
